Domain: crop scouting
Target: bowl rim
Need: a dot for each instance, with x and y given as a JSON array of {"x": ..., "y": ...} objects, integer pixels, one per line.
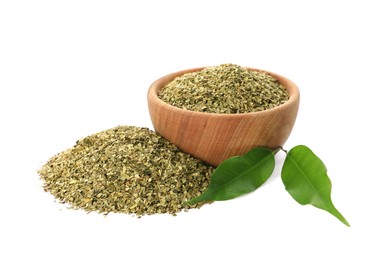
[{"x": 156, "y": 86}]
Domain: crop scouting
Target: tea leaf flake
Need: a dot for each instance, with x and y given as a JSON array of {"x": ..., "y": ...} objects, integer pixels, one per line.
[
  {"x": 225, "y": 89},
  {"x": 125, "y": 169}
]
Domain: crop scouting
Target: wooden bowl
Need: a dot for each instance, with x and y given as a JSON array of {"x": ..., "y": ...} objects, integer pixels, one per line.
[{"x": 216, "y": 137}]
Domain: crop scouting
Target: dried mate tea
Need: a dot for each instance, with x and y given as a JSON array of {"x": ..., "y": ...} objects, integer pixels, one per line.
[
  {"x": 125, "y": 169},
  {"x": 225, "y": 89}
]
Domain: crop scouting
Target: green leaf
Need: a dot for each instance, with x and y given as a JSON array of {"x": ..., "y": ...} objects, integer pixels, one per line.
[
  {"x": 304, "y": 176},
  {"x": 238, "y": 175}
]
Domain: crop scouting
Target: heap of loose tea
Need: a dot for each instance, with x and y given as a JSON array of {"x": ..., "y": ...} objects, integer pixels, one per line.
[
  {"x": 125, "y": 169},
  {"x": 225, "y": 89}
]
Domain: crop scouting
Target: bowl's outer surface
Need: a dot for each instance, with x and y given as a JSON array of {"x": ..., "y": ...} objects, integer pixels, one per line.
[{"x": 216, "y": 137}]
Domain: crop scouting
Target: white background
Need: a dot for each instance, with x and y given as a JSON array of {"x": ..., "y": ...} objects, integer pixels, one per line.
[{"x": 72, "y": 68}]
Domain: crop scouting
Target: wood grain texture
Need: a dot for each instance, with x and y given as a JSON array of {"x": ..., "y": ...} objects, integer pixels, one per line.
[{"x": 216, "y": 137}]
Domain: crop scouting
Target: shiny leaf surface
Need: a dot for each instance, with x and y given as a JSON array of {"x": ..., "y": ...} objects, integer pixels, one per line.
[
  {"x": 239, "y": 175},
  {"x": 305, "y": 178}
]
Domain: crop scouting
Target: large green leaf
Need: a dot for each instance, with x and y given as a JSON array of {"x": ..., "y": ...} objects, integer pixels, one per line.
[
  {"x": 239, "y": 175},
  {"x": 305, "y": 178}
]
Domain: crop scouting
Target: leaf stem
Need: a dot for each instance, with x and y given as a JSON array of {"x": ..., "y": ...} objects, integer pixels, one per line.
[
  {"x": 280, "y": 148},
  {"x": 285, "y": 151}
]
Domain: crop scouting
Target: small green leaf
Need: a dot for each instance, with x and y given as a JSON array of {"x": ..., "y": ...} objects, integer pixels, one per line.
[
  {"x": 239, "y": 175},
  {"x": 305, "y": 178}
]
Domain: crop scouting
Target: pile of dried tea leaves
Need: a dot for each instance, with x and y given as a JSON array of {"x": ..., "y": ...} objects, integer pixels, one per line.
[
  {"x": 225, "y": 89},
  {"x": 125, "y": 169}
]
